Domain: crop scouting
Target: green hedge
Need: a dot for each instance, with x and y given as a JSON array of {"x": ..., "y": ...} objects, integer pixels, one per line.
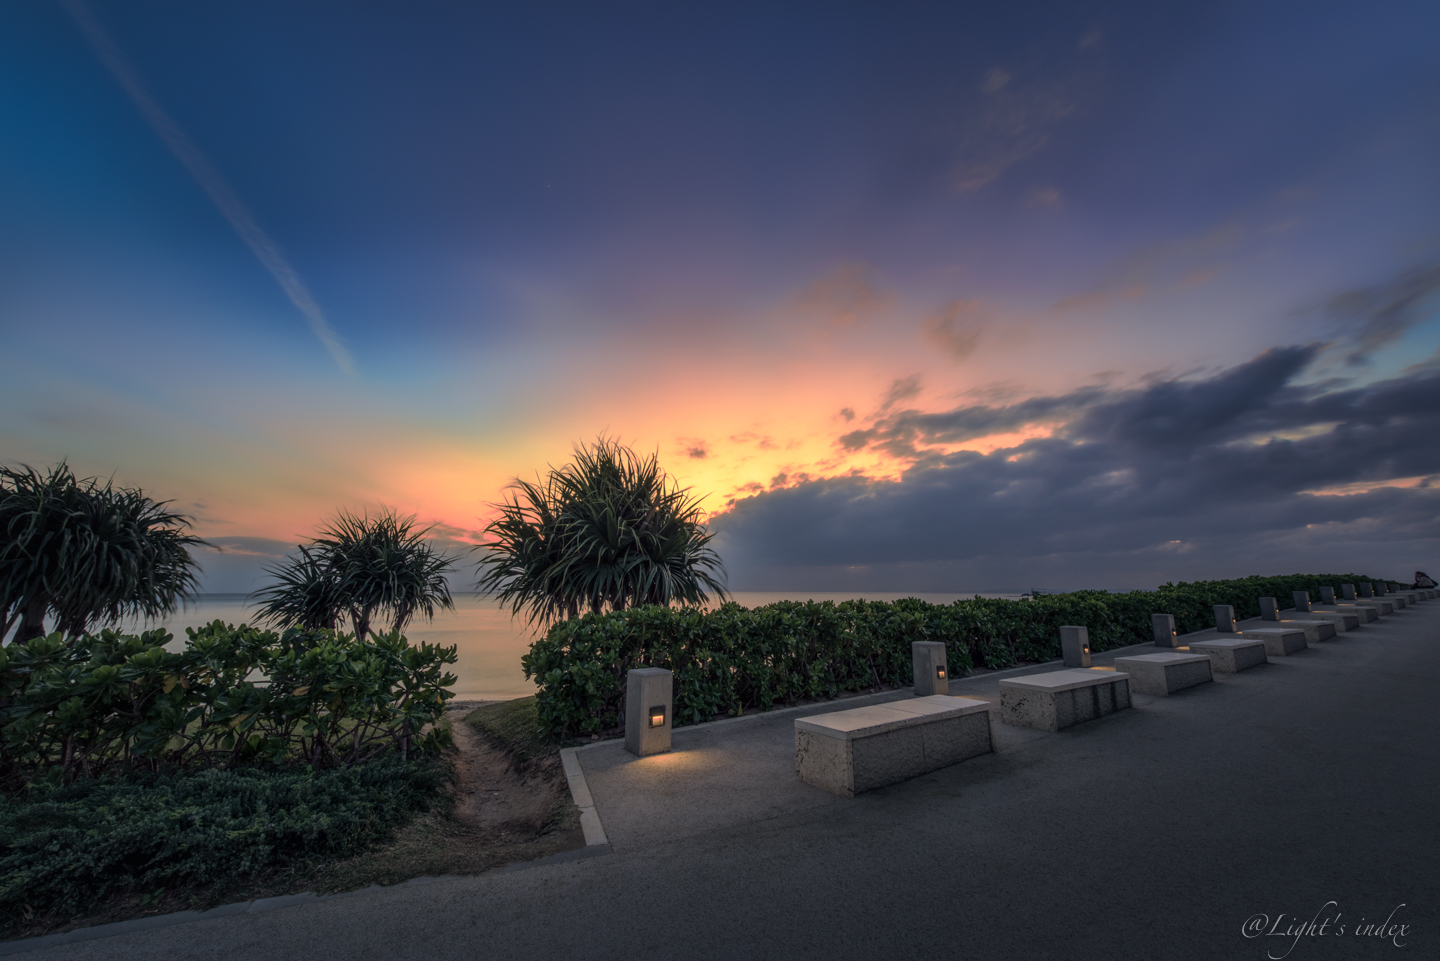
[
  {"x": 82, "y": 707},
  {"x": 733, "y": 659},
  {"x": 64, "y": 848}
]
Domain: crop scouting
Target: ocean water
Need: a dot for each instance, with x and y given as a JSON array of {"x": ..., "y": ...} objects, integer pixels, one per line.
[{"x": 489, "y": 642}]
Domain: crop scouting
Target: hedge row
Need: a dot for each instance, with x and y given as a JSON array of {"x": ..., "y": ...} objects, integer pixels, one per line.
[
  {"x": 81, "y": 707},
  {"x": 734, "y": 659}
]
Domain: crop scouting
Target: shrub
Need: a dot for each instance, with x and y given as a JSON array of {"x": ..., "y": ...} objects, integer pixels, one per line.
[
  {"x": 733, "y": 659},
  {"x": 66, "y": 847},
  {"x": 235, "y": 695}
]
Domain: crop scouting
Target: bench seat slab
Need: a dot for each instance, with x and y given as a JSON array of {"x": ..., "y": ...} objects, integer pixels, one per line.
[
  {"x": 1341, "y": 622},
  {"x": 1365, "y": 614},
  {"x": 1061, "y": 699},
  {"x": 850, "y": 752},
  {"x": 1231, "y": 657},
  {"x": 1164, "y": 674},
  {"x": 1279, "y": 641}
]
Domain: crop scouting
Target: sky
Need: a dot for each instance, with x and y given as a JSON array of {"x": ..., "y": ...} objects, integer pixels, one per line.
[{"x": 930, "y": 297}]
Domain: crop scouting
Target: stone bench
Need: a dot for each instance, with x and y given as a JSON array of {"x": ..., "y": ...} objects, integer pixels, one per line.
[
  {"x": 849, "y": 752},
  {"x": 1365, "y": 614},
  {"x": 1279, "y": 641},
  {"x": 1383, "y": 608},
  {"x": 1314, "y": 631},
  {"x": 1061, "y": 699},
  {"x": 1341, "y": 621},
  {"x": 1230, "y": 655},
  {"x": 1164, "y": 673}
]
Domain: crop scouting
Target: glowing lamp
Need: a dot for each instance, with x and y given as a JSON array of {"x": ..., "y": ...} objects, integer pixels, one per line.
[
  {"x": 931, "y": 669},
  {"x": 649, "y": 700}
]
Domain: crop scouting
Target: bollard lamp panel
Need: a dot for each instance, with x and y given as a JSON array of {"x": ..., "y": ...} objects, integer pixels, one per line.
[{"x": 657, "y": 716}]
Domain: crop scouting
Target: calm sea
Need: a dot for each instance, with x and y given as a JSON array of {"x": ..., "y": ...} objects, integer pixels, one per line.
[{"x": 490, "y": 642}]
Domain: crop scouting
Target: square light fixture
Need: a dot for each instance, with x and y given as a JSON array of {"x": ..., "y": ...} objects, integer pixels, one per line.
[
  {"x": 657, "y": 716},
  {"x": 940, "y": 671}
]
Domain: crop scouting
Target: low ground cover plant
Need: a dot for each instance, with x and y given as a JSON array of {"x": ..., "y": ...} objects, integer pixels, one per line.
[
  {"x": 733, "y": 659},
  {"x": 128, "y": 767},
  {"x": 68, "y": 847}
]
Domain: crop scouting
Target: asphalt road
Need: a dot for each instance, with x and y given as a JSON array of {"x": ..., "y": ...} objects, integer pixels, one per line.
[{"x": 1303, "y": 790}]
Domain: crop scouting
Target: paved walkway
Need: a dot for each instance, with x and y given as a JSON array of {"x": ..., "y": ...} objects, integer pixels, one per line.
[{"x": 1156, "y": 832}]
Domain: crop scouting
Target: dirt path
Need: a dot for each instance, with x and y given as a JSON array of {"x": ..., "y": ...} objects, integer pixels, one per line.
[
  {"x": 500, "y": 816},
  {"x": 491, "y": 795}
]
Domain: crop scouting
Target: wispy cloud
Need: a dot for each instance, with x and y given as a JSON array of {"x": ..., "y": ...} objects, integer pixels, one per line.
[
  {"x": 210, "y": 180},
  {"x": 957, "y": 327},
  {"x": 845, "y": 295},
  {"x": 1012, "y": 120},
  {"x": 1372, "y": 317}
]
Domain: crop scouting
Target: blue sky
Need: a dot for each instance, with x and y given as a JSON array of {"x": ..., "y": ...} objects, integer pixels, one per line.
[{"x": 737, "y": 235}]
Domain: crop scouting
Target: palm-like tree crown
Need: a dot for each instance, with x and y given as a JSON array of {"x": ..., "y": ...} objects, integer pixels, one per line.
[
  {"x": 610, "y": 530},
  {"x": 359, "y": 567},
  {"x": 86, "y": 552}
]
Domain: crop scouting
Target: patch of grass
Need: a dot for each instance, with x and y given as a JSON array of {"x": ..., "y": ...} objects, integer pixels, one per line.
[
  {"x": 437, "y": 844},
  {"x": 514, "y": 728}
]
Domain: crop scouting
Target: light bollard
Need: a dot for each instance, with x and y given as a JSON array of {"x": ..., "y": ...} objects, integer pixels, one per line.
[
  {"x": 1163, "y": 626},
  {"x": 1348, "y": 591},
  {"x": 649, "y": 710},
  {"x": 1225, "y": 619},
  {"x": 1367, "y": 590},
  {"x": 932, "y": 672},
  {"x": 1075, "y": 645},
  {"x": 1301, "y": 600},
  {"x": 1269, "y": 609},
  {"x": 1327, "y": 595}
]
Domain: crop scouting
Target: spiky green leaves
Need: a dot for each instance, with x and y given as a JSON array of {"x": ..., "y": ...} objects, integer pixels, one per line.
[
  {"x": 86, "y": 552},
  {"x": 360, "y": 568},
  {"x": 609, "y": 531}
]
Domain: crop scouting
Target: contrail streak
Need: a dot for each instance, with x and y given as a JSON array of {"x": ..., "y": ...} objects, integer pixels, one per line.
[{"x": 212, "y": 183}]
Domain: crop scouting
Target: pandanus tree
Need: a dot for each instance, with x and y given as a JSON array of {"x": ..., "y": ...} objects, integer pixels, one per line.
[
  {"x": 83, "y": 553},
  {"x": 609, "y": 531},
  {"x": 361, "y": 568}
]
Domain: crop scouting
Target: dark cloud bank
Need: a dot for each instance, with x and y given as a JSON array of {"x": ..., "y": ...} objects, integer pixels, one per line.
[{"x": 1178, "y": 479}]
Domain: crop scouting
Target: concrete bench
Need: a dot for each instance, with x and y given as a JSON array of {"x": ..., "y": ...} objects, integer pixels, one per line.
[
  {"x": 1279, "y": 641},
  {"x": 1229, "y": 656},
  {"x": 1061, "y": 699},
  {"x": 1314, "y": 631},
  {"x": 1271, "y": 615},
  {"x": 1383, "y": 608},
  {"x": 849, "y": 752},
  {"x": 1165, "y": 673},
  {"x": 1365, "y": 614},
  {"x": 1341, "y": 621}
]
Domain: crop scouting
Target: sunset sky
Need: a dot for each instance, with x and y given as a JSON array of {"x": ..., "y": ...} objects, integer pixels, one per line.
[{"x": 931, "y": 297}]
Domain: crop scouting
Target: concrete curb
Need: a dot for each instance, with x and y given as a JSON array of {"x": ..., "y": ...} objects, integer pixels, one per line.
[{"x": 580, "y": 794}]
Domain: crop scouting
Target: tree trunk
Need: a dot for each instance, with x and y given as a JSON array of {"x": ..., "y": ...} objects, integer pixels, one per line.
[{"x": 32, "y": 622}]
